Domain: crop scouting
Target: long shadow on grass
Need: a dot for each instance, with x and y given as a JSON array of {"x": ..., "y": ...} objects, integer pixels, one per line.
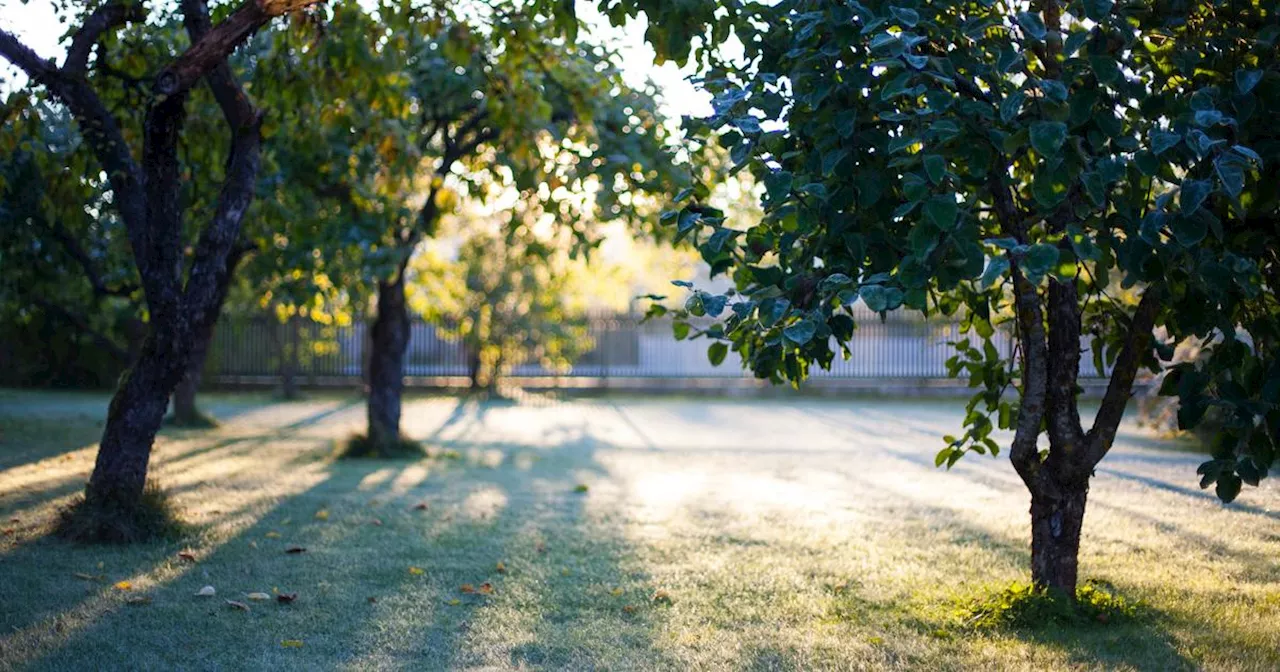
[{"x": 560, "y": 601}]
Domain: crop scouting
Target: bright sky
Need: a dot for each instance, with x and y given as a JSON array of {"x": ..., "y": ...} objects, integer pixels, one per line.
[{"x": 36, "y": 24}]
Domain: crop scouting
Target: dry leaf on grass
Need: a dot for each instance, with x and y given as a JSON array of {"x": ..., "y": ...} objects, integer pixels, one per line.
[
  {"x": 454, "y": 602},
  {"x": 662, "y": 597},
  {"x": 485, "y": 588},
  {"x": 291, "y": 643},
  {"x": 372, "y": 600},
  {"x": 138, "y": 600},
  {"x": 186, "y": 556},
  {"x": 467, "y": 588},
  {"x": 540, "y": 547},
  {"x": 322, "y": 514},
  {"x": 420, "y": 506},
  {"x": 90, "y": 577},
  {"x": 416, "y": 571},
  {"x": 376, "y": 521},
  {"x": 207, "y": 591},
  {"x": 237, "y": 605},
  {"x": 616, "y": 592},
  {"x": 581, "y": 487},
  {"x": 272, "y": 535},
  {"x": 629, "y": 609},
  {"x": 258, "y": 597},
  {"x": 286, "y": 598},
  {"x": 123, "y": 585},
  {"x": 294, "y": 550},
  {"x": 501, "y": 567}
]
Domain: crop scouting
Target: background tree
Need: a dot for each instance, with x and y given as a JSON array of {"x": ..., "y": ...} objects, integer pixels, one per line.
[
  {"x": 1007, "y": 163},
  {"x": 147, "y": 195},
  {"x": 500, "y": 100}
]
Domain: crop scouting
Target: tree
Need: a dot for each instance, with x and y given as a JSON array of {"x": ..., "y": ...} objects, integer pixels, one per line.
[
  {"x": 513, "y": 294},
  {"x": 147, "y": 196},
  {"x": 503, "y": 101},
  {"x": 1069, "y": 170}
]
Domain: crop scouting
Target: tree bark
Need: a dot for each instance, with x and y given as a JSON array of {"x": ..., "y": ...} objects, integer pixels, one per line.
[
  {"x": 134, "y": 417},
  {"x": 390, "y": 338},
  {"x": 185, "y": 411},
  {"x": 1056, "y": 521},
  {"x": 289, "y": 360}
]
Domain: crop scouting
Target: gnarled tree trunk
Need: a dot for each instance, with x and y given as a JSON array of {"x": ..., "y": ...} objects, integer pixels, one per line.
[
  {"x": 136, "y": 411},
  {"x": 1055, "y": 539},
  {"x": 185, "y": 411},
  {"x": 389, "y": 340}
]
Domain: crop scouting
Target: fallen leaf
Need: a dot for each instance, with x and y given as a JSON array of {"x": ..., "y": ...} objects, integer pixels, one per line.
[
  {"x": 875, "y": 640},
  {"x": 501, "y": 568},
  {"x": 629, "y": 609},
  {"x": 286, "y": 521},
  {"x": 294, "y": 550},
  {"x": 322, "y": 514},
  {"x": 101, "y": 564},
  {"x": 138, "y": 600},
  {"x": 186, "y": 556},
  {"x": 207, "y": 591},
  {"x": 237, "y": 605},
  {"x": 89, "y": 577},
  {"x": 253, "y": 544},
  {"x": 485, "y": 588},
  {"x": 372, "y": 600},
  {"x": 454, "y": 602},
  {"x": 258, "y": 597},
  {"x": 566, "y": 572},
  {"x": 416, "y": 571},
  {"x": 540, "y": 547},
  {"x": 272, "y": 535},
  {"x": 286, "y": 598},
  {"x": 9, "y": 532},
  {"x": 661, "y": 597},
  {"x": 616, "y": 592},
  {"x": 15, "y": 520},
  {"x": 467, "y": 588},
  {"x": 581, "y": 487},
  {"x": 291, "y": 643},
  {"x": 123, "y": 585},
  {"x": 420, "y": 506},
  {"x": 377, "y": 521}
]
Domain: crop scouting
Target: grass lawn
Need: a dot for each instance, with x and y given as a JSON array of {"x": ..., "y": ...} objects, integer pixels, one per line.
[{"x": 797, "y": 534}]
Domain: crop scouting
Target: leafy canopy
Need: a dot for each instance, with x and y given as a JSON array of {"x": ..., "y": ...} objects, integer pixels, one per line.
[{"x": 927, "y": 156}]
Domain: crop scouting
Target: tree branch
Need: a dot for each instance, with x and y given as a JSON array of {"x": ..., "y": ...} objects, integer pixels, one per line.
[
  {"x": 76, "y": 251},
  {"x": 106, "y": 17},
  {"x": 236, "y": 108},
  {"x": 1137, "y": 345},
  {"x": 213, "y": 46}
]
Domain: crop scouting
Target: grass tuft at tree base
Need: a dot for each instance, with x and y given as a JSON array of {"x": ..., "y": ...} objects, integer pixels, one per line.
[
  {"x": 359, "y": 446},
  {"x": 1024, "y": 607},
  {"x": 109, "y": 520}
]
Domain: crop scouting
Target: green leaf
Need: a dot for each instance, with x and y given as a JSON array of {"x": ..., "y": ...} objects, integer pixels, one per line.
[
  {"x": 1247, "y": 79},
  {"x": 1039, "y": 260},
  {"x": 1192, "y": 195},
  {"x": 1048, "y": 136},
  {"x": 1231, "y": 173},
  {"x": 1011, "y": 106},
  {"x": 1228, "y": 487},
  {"x": 778, "y": 185},
  {"x": 1105, "y": 69},
  {"x": 906, "y": 17},
  {"x": 936, "y": 167},
  {"x": 801, "y": 332},
  {"x": 1189, "y": 231},
  {"x": 996, "y": 268},
  {"x": 942, "y": 211},
  {"x": 1094, "y": 187},
  {"x": 680, "y": 330},
  {"x": 716, "y": 353},
  {"x": 1032, "y": 25},
  {"x": 1163, "y": 141}
]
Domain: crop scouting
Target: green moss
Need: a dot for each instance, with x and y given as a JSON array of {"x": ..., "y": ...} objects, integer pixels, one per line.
[
  {"x": 116, "y": 520},
  {"x": 1024, "y": 607},
  {"x": 359, "y": 446}
]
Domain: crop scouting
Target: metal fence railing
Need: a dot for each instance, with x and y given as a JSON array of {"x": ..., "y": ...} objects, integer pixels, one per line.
[{"x": 902, "y": 346}]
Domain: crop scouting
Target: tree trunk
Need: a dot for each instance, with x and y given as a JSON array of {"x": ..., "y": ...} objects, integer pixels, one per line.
[
  {"x": 185, "y": 411},
  {"x": 390, "y": 338},
  {"x": 1055, "y": 539},
  {"x": 289, "y": 360},
  {"x": 473, "y": 367},
  {"x": 134, "y": 417}
]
